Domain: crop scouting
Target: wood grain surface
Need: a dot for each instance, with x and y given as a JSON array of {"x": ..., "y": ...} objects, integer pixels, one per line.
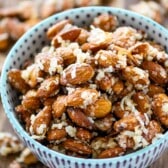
[{"x": 5, "y": 126}]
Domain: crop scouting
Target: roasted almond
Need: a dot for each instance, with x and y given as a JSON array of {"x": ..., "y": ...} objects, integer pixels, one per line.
[
  {"x": 136, "y": 76},
  {"x": 77, "y": 146},
  {"x": 142, "y": 102},
  {"x": 56, "y": 134},
  {"x": 56, "y": 28},
  {"x": 128, "y": 122},
  {"x": 59, "y": 106},
  {"x": 41, "y": 122},
  {"x": 76, "y": 74},
  {"x": 82, "y": 97},
  {"x": 49, "y": 87},
  {"x": 153, "y": 128},
  {"x": 160, "y": 108},
  {"x": 99, "y": 109},
  {"x": 15, "y": 79},
  {"x": 156, "y": 72},
  {"x": 79, "y": 118},
  {"x": 83, "y": 134},
  {"x": 111, "y": 152},
  {"x": 154, "y": 89}
]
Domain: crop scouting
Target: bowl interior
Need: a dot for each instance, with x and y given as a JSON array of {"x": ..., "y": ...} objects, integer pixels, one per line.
[{"x": 33, "y": 41}]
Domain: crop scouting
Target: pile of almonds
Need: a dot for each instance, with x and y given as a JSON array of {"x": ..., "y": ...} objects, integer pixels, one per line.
[{"x": 94, "y": 96}]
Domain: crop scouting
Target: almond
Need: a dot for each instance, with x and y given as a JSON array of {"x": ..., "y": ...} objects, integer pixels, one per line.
[
  {"x": 56, "y": 134},
  {"x": 129, "y": 122},
  {"x": 99, "y": 109},
  {"x": 77, "y": 146},
  {"x": 83, "y": 134},
  {"x": 82, "y": 97},
  {"x": 160, "y": 108},
  {"x": 49, "y": 87},
  {"x": 79, "y": 118},
  {"x": 154, "y": 89},
  {"x": 42, "y": 121},
  {"x": 111, "y": 152},
  {"x": 76, "y": 74},
  {"x": 156, "y": 72},
  {"x": 59, "y": 106},
  {"x": 142, "y": 102},
  {"x": 55, "y": 29},
  {"x": 15, "y": 79},
  {"x": 71, "y": 35},
  {"x": 104, "y": 124},
  {"x": 136, "y": 76},
  {"x": 153, "y": 128}
]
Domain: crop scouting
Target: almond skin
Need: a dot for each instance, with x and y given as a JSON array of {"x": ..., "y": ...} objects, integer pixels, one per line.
[
  {"x": 77, "y": 74},
  {"x": 156, "y": 72}
]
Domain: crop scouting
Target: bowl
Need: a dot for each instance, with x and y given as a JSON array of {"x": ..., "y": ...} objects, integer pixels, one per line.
[{"x": 32, "y": 42}]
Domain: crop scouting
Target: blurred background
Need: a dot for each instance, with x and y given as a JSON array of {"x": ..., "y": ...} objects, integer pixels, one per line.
[{"x": 16, "y": 17}]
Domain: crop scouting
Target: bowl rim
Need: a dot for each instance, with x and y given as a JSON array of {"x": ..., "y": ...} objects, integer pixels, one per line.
[{"x": 17, "y": 126}]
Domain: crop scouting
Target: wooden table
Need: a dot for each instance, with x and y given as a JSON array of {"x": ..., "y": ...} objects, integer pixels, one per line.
[{"x": 162, "y": 162}]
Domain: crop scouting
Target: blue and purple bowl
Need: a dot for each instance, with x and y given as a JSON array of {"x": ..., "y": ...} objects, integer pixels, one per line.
[{"x": 32, "y": 42}]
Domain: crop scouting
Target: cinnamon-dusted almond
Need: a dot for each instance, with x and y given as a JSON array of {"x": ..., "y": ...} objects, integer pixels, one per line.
[
  {"x": 160, "y": 108},
  {"x": 153, "y": 128},
  {"x": 111, "y": 152},
  {"x": 83, "y": 134},
  {"x": 142, "y": 102},
  {"x": 15, "y": 79},
  {"x": 56, "y": 134},
  {"x": 156, "y": 72},
  {"x": 82, "y": 97},
  {"x": 56, "y": 28},
  {"x": 59, "y": 106},
  {"x": 99, "y": 109},
  {"x": 41, "y": 121},
  {"x": 49, "y": 87},
  {"x": 77, "y": 74},
  {"x": 79, "y": 118},
  {"x": 77, "y": 146}
]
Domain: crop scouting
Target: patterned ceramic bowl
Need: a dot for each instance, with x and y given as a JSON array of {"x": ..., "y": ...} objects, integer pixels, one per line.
[{"x": 32, "y": 42}]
